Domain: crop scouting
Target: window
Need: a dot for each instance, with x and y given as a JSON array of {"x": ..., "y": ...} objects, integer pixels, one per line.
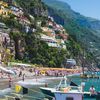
[{"x": 69, "y": 98}]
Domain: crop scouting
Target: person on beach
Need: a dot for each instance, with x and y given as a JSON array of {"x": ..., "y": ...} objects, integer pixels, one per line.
[
  {"x": 23, "y": 77},
  {"x": 20, "y": 73},
  {"x": 92, "y": 90},
  {"x": 10, "y": 81}
]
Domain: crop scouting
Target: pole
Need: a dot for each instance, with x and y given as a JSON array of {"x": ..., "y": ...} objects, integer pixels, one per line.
[{"x": 83, "y": 68}]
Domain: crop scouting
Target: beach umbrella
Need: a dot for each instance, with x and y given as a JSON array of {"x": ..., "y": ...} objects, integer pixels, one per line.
[{"x": 5, "y": 70}]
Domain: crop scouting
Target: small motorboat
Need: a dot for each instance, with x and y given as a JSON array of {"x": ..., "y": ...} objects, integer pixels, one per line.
[
  {"x": 66, "y": 88},
  {"x": 65, "y": 82}
]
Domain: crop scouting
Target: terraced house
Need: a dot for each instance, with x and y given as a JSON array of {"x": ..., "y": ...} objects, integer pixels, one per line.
[{"x": 4, "y": 10}]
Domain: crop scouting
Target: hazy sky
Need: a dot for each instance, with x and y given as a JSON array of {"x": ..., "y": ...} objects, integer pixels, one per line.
[{"x": 89, "y": 8}]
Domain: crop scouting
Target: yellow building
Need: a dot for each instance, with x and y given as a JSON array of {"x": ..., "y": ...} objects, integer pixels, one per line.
[
  {"x": 4, "y": 11},
  {"x": 3, "y": 4}
]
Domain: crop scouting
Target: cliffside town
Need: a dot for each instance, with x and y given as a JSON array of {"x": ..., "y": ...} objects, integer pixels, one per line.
[
  {"x": 16, "y": 25},
  {"x": 54, "y": 34}
]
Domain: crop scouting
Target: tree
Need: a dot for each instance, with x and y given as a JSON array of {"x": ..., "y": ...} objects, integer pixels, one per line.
[{"x": 16, "y": 36}]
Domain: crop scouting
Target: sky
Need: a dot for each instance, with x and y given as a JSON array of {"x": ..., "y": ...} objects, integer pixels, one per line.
[{"x": 89, "y": 8}]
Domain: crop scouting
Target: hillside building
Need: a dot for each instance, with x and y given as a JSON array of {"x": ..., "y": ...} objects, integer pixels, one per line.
[
  {"x": 52, "y": 42},
  {"x": 3, "y": 4},
  {"x": 4, "y": 11}
]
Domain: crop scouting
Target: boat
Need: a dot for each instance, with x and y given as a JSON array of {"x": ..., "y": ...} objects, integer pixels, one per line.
[
  {"x": 66, "y": 87},
  {"x": 65, "y": 82},
  {"x": 29, "y": 83},
  {"x": 69, "y": 93},
  {"x": 73, "y": 93}
]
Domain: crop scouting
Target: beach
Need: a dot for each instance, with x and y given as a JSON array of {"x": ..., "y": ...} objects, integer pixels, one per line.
[
  {"x": 34, "y": 74},
  {"x": 33, "y": 80}
]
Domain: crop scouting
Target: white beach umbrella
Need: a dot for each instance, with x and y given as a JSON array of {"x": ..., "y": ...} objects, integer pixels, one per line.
[{"x": 5, "y": 70}]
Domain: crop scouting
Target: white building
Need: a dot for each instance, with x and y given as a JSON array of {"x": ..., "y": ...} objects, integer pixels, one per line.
[
  {"x": 50, "y": 41},
  {"x": 17, "y": 11}
]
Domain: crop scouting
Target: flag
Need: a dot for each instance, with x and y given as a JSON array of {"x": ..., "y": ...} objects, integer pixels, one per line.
[
  {"x": 73, "y": 84},
  {"x": 25, "y": 90},
  {"x": 18, "y": 88}
]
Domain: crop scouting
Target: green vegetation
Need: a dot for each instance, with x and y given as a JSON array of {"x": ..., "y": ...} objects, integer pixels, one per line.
[
  {"x": 29, "y": 47},
  {"x": 33, "y": 7},
  {"x": 38, "y": 52},
  {"x": 83, "y": 30}
]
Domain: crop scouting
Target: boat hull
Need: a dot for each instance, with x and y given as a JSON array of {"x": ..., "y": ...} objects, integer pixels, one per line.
[
  {"x": 89, "y": 96},
  {"x": 49, "y": 94}
]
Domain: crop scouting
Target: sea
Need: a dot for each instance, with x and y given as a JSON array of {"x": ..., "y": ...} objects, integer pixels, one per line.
[{"x": 35, "y": 93}]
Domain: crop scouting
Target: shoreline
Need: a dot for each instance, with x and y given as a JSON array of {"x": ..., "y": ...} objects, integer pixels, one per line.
[{"x": 4, "y": 83}]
